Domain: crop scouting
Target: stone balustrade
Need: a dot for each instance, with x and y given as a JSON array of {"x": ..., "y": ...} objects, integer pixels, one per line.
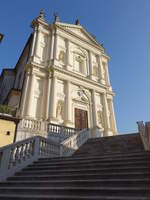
[
  {"x": 30, "y": 124},
  {"x": 16, "y": 156},
  {"x": 59, "y": 133},
  {"x": 71, "y": 144},
  {"x": 144, "y": 131}
]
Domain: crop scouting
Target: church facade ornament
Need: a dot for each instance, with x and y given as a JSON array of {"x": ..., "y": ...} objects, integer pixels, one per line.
[{"x": 65, "y": 73}]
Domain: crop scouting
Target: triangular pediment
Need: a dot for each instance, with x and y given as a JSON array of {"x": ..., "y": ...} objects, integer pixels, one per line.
[{"x": 79, "y": 31}]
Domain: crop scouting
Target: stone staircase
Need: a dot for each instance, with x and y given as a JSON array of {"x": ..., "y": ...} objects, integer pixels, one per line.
[{"x": 113, "y": 168}]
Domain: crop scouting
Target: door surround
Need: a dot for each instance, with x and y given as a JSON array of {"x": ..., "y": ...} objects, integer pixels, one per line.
[{"x": 81, "y": 118}]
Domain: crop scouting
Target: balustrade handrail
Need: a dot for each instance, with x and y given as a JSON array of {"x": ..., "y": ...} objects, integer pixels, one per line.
[
  {"x": 71, "y": 144},
  {"x": 16, "y": 156},
  {"x": 79, "y": 133},
  {"x": 144, "y": 131}
]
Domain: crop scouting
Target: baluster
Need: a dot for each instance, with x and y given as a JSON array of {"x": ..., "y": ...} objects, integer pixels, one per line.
[
  {"x": 39, "y": 126},
  {"x": 21, "y": 153},
  {"x": 16, "y": 155},
  {"x": 11, "y": 160},
  {"x": 41, "y": 147},
  {"x": 44, "y": 148},
  {"x": 26, "y": 151},
  {"x": 30, "y": 149},
  {"x": 32, "y": 146}
]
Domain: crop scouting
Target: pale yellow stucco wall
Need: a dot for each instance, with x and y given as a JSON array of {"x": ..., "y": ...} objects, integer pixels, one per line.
[{"x": 5, "y": 126}]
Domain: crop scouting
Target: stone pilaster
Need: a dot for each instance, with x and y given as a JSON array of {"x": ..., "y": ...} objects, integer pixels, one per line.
[
  {"x": 53, "y": 98},
  {"x": 48, "y": 50},
  {"x": 37, "y": 43},
  {"x": 30, "y": 96},
  {"x": 107, "y": 75},
  {"x": 34, "y": 42},
  {"x": 113, "y": 120},
  {"x": 24, "y": 94},
  {"x": 90, "y": 65},
  {"x": 68, "y": 105},
  {"x": 94, "y": 109},
  {"x": 48, "y": 96},
  {"x": 101, "y": 71},
  {"x": 67, "y": 54},
  {"x": 106, "y": 116},
  {"x": 52, "y": 46},
  {"x": 55, "y": 46}
]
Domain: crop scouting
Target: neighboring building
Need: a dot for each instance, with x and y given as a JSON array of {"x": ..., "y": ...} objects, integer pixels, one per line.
[
  {"x": 62, "y": 78},
  {"x": 8, "y": 126}
]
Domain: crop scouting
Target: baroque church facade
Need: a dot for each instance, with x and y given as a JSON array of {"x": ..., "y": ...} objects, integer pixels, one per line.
[{"x": 61, "y": 78}]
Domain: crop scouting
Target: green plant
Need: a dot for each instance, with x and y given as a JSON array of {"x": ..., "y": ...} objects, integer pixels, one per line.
[{"x": 7, "y": 110}]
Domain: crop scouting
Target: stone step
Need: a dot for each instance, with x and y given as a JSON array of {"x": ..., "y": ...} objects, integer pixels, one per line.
[
  {"x": 121, "y": 143},
  {"x": 91, "y": 159},
  {"x": 82, "y": 191},
  {"x": 83, "y": 171},
  {"x": 67, "y": 197},
  {"x": 72, "y": 183},
  {"x": 113, "y": 155},
  {"x": 86, "y": 162},
  {"x": 88, "y": 165},
  {"x": 85, "y": 176}
]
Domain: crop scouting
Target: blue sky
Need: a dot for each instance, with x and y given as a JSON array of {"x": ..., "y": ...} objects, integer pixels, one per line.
[{"x": 123, "y": 26}]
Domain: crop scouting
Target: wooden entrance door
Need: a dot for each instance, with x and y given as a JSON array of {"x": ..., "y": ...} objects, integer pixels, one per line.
[{"x": 81, "y": 119}]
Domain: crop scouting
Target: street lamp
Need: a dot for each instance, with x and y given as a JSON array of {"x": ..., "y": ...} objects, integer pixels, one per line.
[{"x": 1, "y": 36}]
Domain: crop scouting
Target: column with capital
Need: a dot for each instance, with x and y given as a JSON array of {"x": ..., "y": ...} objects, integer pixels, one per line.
[
  {"x": 55, "y": 46},
  {"x": 67, "y": 54},
  {"x": 34, "y": 42},
  {"x": 53, "y": 99},
  {"x": 37, "y": 44},
  {"x": 94, "y": 109},
  {"x": 106, "y": 116},
  {"x": 47, "y": 113},
  {"x": 94, "y": 114},
  {"x": 90, "y": 65},
  {"x": 101, "y": 71},
  {"x": 52, "y": 47},
  {"x": 30, "y": 96},
  {"x": 68, "y": 104},
  {"x": 107, "y": 75}
]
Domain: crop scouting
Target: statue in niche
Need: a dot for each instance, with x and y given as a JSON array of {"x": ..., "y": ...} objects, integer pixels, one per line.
[
  {"x": 95, "y": 70},
  {"x": 59, "y": 110},
  {"x": 80, "y": 61},
  {"x": 61, "y": 56},
  {"x": 100, "y": 117}
]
